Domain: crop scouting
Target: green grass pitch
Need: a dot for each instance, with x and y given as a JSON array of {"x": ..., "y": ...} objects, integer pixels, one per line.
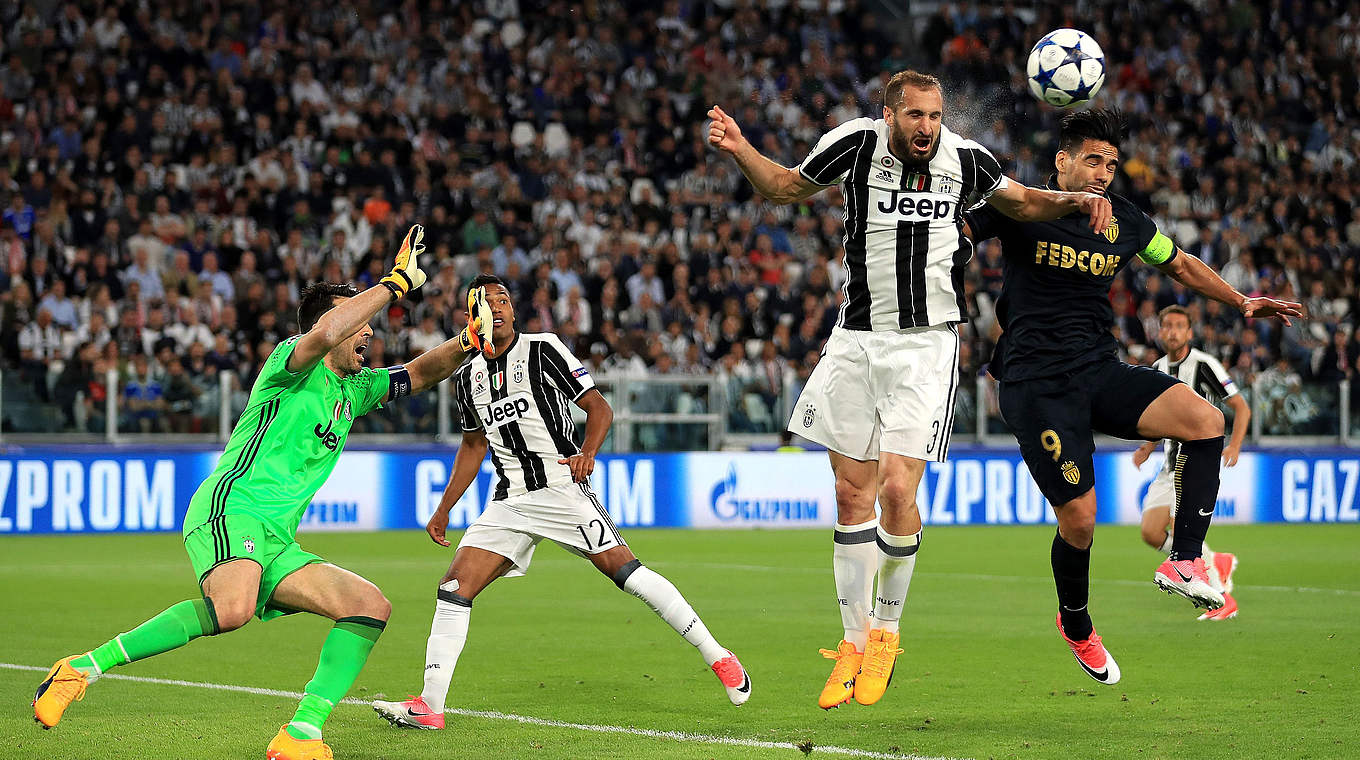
[{"x": 984, "y": 673}]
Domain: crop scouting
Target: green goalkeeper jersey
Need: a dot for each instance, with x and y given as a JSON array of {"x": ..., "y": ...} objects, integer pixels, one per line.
[{"x": 286, "y": 442}]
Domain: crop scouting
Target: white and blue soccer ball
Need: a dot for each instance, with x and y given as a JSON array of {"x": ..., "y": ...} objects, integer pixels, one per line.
[{"x": 1066, "y": 68}]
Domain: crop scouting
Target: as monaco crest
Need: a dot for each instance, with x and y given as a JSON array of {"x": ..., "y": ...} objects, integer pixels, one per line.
[{"x": 1112, "y": 231}]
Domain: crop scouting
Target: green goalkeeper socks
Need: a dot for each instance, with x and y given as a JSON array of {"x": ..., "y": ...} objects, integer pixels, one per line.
[
  {"x": 342, "y": 657},
  {"x": 172, "y": 629}
]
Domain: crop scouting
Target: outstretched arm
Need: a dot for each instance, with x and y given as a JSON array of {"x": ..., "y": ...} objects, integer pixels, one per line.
[
  {"x": 335, "y": 326},
  {"x": 431, "y": 367},
  {"x": 1033, "y": 204},
  {"x": 599, "y": 416},
  {"x": 778, "y": 183},
  {"x": 466, "y": 463},
  {"x": 1196, "y": 275},
  {"x": 344, "y": 320}
]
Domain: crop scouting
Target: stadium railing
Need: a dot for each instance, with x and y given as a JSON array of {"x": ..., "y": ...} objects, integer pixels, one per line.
[
  {"x": 677, "y": 412},
  {"x": 1291, "y": 412}
]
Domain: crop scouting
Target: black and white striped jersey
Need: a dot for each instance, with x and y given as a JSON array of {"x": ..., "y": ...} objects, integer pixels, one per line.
[
  {"x": 1205, "y": 375},
  {"x": 905, "y": 251},
  {"x": 521, "y": 399}
]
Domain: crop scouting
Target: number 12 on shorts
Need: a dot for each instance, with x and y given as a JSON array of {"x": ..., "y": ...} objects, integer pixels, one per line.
[{"x": 595, "y": 534}]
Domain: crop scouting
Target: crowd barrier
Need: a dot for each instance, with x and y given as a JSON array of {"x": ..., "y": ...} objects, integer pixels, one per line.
[{"x": 100, "y": 489}]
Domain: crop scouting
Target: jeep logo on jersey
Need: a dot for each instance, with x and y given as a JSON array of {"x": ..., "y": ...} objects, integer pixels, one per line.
[
  {"x": 507, "y": 410},
  {"x": 915, "y": 207},
  {"x": 328, "y": 438}
]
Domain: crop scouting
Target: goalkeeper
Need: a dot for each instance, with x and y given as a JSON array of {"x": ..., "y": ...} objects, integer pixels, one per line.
[{"x": 240, "y": 525}]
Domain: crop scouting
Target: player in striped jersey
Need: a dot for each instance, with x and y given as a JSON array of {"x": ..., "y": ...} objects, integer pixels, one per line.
[
  {"x": 240, "y": 525},
  {"x": 513, "y": 402},
  {"x": 881, "y": 398},
  {"x": 1207, "y": 377}
]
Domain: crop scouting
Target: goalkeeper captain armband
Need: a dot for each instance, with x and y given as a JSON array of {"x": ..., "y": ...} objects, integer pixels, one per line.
[{"x": 398, "y": 382}]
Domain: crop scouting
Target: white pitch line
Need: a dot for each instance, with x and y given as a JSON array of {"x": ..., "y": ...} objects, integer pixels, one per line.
[
  {"x": 680, "y": 736},
  {"x": 975, "y": 576}
]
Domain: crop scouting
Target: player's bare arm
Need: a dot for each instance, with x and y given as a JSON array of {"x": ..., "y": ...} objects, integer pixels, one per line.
[
  {"x": 778, "y": 183},
  {"x": 1196, "y": 275},
  {"x": 599, "y": 416},
  {"x": 466, "y": 463},
  {"x": 1241, "y": 421},
  {"x": 433, "y": 366},
  {"x": 350, "y": 316},
  {"x": 1141, "y": 454},
  {"x": 1032, "y": 204}
]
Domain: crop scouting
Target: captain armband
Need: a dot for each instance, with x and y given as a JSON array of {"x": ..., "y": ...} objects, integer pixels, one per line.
[
  {"x": 398, "y": 382},
  {"x": 1159, "y": 250}
]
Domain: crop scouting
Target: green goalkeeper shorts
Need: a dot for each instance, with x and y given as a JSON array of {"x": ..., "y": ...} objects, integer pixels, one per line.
[{"x": 240, "y": 536}]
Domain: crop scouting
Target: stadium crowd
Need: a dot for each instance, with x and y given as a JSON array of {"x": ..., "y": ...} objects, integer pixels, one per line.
[{"x": 172, "y": 175}]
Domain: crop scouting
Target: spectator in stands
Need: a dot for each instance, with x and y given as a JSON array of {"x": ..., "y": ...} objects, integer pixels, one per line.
[
  {"x": 39, "y": 346},
  {"x": 61, "y": 308}
]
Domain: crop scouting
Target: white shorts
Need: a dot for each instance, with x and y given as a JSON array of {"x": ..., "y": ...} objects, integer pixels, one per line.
[
  {"x": 569, "y": 515},
  {"x": 1162, "y": 492},
  {"x": 875, "y": 391}
]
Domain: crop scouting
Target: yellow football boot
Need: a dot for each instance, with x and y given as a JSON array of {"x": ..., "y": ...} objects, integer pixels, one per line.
[
  {"x": 285, "y": 747},
  {"x": 64, "y": 685},
  {"x": 840, "y": 686},
  {"x": 876, "y": 671}
]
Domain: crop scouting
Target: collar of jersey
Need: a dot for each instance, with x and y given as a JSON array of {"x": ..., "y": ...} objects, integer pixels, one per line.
[{"x": 508, "y": 348}]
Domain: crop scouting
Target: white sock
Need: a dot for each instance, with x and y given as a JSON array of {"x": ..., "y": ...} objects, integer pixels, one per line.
[
  {"x": 667, "y": 602},
  {"x": 1166, "y": 545},
  {"x": 854, "y": 558},
  {"x": 1207, "y": 553},
  {"x": 896, "y": 560},
  {"x": 448, "y": 633}
]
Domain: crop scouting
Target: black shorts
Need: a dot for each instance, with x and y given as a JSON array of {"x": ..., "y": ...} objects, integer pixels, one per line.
[{"x": 1053, "y": 418}]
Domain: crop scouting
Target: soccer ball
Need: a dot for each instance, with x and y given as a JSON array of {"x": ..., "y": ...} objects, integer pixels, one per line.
[{"x": 1066, "y": 68}]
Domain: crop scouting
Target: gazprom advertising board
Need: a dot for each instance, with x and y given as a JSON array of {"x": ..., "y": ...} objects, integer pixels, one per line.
[{"x": 129, "y": 489}]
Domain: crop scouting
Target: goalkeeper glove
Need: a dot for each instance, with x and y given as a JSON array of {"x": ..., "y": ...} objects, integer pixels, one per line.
[
  {"x": 406, "y": 275},
  {"x": 477, "y": 335}
]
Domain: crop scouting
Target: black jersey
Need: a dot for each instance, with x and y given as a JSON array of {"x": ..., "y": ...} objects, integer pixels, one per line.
[{"x": 1055, "y": 308}]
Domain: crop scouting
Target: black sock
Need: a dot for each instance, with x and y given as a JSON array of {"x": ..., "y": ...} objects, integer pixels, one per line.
[
  {"x": 1072, "y": 576},
  {"x": 1196, "y": 479}
]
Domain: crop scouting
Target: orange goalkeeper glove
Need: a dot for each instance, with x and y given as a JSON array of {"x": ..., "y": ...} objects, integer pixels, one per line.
[
  {"x": 406, "y": 275},
  {"x": 477, "y": 335}
]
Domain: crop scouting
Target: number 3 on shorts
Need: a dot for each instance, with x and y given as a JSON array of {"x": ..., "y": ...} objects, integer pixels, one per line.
[
  {"x": 1051, "y": 443},
  {"x": 599, "y": 531}
]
